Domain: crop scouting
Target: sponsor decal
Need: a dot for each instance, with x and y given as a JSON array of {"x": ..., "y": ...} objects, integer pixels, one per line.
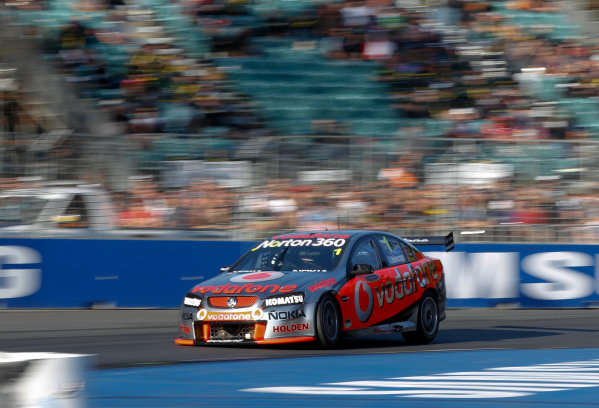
[
  {"x": 246, "y": 288},
  {"x": 327, "y": 242},
  {"x": 228, "y": 316},
  {"x": 192, "y": 300},
  {"x": 291, "y": 328},
  {"x": 388, "y": 292},
  {"x": 402, "y": 286},
  {"x": 363, "y": 313},
  {"x": 391, "y": 291},
  {"x": 312, "y": 236},
  {"x": 292, "y": 299},
  {"x": 203, "y": 314},
  {"x": 256, "y": 277},
  {"x": 284, "y": 315},
  {"x": 184, "y": 329},
  {"x": 187, "y": 316},
  {"x": 324, "y": 283},
  {"x": 382, "y": 329}
]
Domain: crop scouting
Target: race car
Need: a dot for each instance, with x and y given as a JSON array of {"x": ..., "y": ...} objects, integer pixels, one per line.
[{"x": 320, "y": 286}]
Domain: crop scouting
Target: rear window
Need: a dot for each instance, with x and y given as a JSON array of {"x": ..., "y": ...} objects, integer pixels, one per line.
[{"x": 391, "y": 250}]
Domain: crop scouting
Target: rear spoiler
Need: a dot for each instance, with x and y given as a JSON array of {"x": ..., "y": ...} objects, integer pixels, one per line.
[{"x": 446, "y": 241}]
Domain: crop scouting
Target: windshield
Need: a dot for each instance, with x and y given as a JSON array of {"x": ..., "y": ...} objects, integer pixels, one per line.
[
  {"x": 295, "y": 253},
  {"x": 20, "y": 210}
]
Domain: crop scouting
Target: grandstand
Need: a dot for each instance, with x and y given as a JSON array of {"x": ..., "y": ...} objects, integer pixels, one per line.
[{"x": 468, "y": 101}]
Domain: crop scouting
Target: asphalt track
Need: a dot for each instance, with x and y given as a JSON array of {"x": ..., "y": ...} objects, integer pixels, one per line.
[{"x": 142, "y": 337}]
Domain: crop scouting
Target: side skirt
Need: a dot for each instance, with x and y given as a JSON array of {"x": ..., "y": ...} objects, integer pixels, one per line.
[{"x": 409, "y": 324}]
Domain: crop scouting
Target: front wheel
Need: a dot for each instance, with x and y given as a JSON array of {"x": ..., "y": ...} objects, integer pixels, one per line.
[
  {"x": 428, "y": 321},
  {"x": 327, "y": 321}
]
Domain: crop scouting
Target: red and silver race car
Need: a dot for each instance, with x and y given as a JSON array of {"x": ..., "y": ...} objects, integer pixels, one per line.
[{"x": 319, "y": 286}]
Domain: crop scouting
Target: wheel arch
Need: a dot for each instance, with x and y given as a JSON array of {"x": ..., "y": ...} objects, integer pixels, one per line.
[
  {"x": 333, "y": 294},
  {"x": 432, "y": 291}
]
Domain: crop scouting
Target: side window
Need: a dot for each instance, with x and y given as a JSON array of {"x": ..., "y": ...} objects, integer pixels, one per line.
[
  {"x": 411, "y": 254},
  {"x": 365, "y": 253},
  {"x": 391, "y": 250}
]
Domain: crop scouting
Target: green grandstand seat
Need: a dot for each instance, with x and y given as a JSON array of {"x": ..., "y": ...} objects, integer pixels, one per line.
[
  {"x": 176, "y": 116},
  {"x": 216, "y": 131},
  {"x": 172, "y": 148}
]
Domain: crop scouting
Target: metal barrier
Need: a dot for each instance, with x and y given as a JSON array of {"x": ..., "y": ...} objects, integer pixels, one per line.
[{"x": 485, "y": 190}]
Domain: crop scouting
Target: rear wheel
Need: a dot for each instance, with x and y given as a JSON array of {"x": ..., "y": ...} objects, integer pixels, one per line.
[
  {"x": 327, "y": 321},
  {"x": 428, "y": 321}
]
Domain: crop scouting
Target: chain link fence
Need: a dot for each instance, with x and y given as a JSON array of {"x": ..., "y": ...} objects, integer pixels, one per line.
[{"x": 490, "y": 190}]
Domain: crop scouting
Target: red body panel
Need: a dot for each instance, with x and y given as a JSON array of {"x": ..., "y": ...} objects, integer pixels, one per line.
[{"x": 367, "y": 300}]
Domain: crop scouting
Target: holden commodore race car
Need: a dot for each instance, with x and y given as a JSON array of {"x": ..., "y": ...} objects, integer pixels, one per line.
[{"x": 319, "y": 286}]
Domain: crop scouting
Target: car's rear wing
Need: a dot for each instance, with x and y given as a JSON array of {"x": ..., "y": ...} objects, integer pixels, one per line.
[{"x": 446, "y": 241}]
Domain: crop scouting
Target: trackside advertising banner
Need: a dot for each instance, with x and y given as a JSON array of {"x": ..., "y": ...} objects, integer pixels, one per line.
[
  {"x": 122, "y": 273},
  {"x": 73, "y": 273}
]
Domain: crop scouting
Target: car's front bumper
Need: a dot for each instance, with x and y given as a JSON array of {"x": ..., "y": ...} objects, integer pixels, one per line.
[
  {"x": 281, "y": 324},
  {"x": 234, "y": 332}
]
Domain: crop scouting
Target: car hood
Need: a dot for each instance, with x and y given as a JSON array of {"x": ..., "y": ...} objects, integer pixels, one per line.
[{"x": 268, "y": 283}]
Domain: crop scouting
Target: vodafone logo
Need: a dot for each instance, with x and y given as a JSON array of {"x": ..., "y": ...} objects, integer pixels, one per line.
[
  {"x": 363, "y": 313},
  {"x": 203, "y": 314},
  {"x": 256, "y": 277}
]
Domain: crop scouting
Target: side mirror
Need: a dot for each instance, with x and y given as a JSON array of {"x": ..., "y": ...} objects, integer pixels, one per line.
[
  {"x": 225, "y": 269},
  {"x": 361, "y": 269}
]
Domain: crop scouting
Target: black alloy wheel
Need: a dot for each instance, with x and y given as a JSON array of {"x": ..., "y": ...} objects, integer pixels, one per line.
[
  {"x": 428, "y": 321},
  {"x": 328, "y": 323}
]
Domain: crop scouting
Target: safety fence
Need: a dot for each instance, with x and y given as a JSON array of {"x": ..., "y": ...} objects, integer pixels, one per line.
[
  {"x": 485, "y": 190},
  {"x": 76, "y": 273}
]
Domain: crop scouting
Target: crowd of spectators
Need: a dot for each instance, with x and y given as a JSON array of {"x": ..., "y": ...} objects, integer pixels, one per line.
[
  {"x": 153, "y": 87},
  {"x": 459, "y": 70},
  {"x": 202, "y": 205},
  {"x": 504, "y": 211}
]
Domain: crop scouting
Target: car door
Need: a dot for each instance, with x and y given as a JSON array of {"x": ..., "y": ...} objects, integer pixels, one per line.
[
  {"x": 415, "y": 273},
  {"x": 401, "y": 261},
  {"x": 362, "y": 299}
]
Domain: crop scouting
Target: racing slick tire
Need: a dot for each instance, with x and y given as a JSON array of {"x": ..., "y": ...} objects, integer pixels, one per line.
[
  {"x": 428, "y": 321},
  {"x": 328, "y": 322}
]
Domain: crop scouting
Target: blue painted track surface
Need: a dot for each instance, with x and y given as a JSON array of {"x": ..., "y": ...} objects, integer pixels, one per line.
[{"x": 482, "y": 378}]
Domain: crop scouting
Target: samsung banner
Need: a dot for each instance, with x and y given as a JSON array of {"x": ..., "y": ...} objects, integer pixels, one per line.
[
  {"x": 73, "y": 273},
  {"x": 527, "y": 275}
]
